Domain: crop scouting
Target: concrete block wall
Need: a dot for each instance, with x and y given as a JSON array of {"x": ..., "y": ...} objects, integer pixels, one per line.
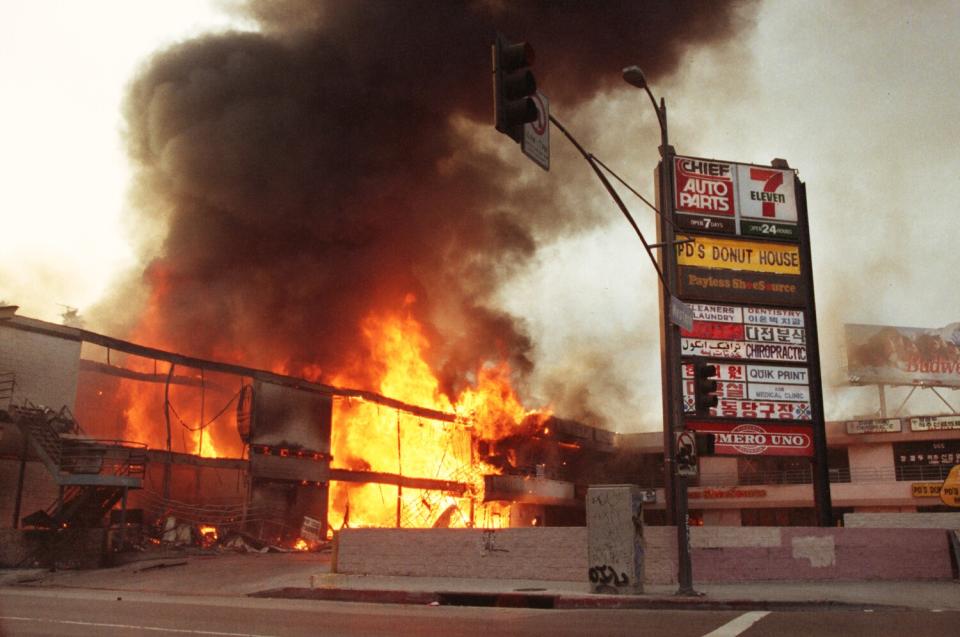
[
  {"x": 39, "y": 489},
  {"x": 67, "y": 548},
  {"x": 719, "y": 554},
  {"x": 817, "y": 554},
  {"x": 46, "y": 367},
  {"x": 903, "y": 520},
  {"x": 546, "y": 553}
]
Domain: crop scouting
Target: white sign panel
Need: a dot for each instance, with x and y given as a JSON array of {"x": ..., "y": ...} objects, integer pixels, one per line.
[
  {"x": 772, "y": 374},
  {"x": 716, "y": 313},
  {"x": 760, "y": 391},
  {"x": 934, "y": 423},
  {"x": 768, "y": 334},
  {"x": 681, "y": 314},
  {"x": 768, "y": 316},
  {"x": 874, "y": 426},
  {"x": 766, "y": 193},
  {"x": 536, "y": 134}
]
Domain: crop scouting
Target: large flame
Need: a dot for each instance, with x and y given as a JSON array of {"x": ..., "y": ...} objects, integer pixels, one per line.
[
  {"x": 370, "y": 437},
  {"x": 366, "y": 436}
]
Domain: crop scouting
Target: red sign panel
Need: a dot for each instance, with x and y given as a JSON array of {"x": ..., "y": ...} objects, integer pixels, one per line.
[
  {"x": 704, "y": 187},
  {"x": 755, "y": 439}
]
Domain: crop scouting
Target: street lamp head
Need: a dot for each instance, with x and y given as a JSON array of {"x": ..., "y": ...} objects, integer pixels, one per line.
[{"x": 634, "y": 76}]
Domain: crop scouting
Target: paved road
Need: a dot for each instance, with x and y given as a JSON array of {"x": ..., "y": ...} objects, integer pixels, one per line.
[{"x": 91, "y": 612}]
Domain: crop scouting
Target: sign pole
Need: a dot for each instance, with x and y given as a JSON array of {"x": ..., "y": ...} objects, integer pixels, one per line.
[
  {"x": 675, "y": 485},
  {"x": 822, "y": 502}
]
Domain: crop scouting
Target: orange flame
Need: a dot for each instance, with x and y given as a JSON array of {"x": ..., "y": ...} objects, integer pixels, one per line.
[{"x": 370, "y": 437}]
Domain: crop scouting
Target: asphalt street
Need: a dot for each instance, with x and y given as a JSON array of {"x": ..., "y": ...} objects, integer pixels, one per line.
[{"x": 27, "y": 612}]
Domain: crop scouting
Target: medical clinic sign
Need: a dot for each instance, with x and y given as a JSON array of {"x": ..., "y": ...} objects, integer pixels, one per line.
[{"x": 742, "y": 265}]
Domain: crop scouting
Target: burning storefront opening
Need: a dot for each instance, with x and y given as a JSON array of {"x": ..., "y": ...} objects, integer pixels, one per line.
[{"x": 292, "y": 450}]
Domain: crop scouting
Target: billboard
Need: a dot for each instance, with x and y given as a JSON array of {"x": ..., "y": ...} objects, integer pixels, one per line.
[{"x": 903, "y": 355}]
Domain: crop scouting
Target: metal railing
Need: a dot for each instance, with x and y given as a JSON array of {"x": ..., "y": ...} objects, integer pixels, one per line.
[
  {"x": 8, "y": 381},
  {"x": 805, "y": 476},
  {"x": 97, "y": 456},
  {"x": 263, "y": 521}
]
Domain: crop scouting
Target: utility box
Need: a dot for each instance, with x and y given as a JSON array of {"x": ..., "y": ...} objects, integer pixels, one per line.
[{"x": 615, "y": 547}]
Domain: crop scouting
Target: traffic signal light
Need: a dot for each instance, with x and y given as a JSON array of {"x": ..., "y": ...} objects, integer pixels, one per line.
[
  {"x": 513, "y": 84},
  {"x": 706, "y": 444},
  {"x": 704, "y": 386}
]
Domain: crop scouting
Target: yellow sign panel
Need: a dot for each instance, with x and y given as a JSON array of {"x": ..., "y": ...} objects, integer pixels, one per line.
[
  {"x": 732, "y": 254},
  {"x": 950, "y": 492},
  {"x": 926, "y": 489}
]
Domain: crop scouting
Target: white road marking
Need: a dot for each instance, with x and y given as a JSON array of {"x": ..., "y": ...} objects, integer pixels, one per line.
[
  {"x": 158, "y": 629},
  {"x": 736, "y": 626}
]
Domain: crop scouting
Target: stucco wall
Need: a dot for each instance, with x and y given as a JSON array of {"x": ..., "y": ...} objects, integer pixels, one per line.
[
  {"x": 903, "y": 520},
  {"x": 46, "y": 367},
  {"x": 719, "y": 554}
]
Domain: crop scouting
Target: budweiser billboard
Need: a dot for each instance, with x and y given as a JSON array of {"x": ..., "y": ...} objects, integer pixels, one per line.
[
  {"x": 755, "y": 439},
  {"x": 903, "y": 355}
]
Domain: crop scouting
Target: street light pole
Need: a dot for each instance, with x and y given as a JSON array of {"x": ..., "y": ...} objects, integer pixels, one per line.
[{"x": 675, "y": 486}]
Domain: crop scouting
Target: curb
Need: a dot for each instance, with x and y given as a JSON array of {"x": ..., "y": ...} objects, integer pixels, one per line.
[{"x": 555, "y": 600}]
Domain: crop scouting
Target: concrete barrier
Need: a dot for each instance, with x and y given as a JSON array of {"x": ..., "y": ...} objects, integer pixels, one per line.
[
  {"x": 912, "y": 520},
  {"x": 719, "y": 554}
]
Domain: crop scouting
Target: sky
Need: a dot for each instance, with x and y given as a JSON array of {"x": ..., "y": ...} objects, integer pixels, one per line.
[{"x": 860, "y": 97}]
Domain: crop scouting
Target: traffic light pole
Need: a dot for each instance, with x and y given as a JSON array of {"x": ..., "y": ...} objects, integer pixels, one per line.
[{"x": 675, "y": 485}]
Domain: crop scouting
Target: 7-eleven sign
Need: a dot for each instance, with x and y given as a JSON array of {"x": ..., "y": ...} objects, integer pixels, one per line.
[{"x": 766, "y": 193}]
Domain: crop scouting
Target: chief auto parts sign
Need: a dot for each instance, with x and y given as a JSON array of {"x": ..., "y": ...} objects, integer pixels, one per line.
[{"x": 756, "y": 439}]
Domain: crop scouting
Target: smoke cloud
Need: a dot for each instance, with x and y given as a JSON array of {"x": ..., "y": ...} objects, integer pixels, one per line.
[{"x": 315, "y": 171}]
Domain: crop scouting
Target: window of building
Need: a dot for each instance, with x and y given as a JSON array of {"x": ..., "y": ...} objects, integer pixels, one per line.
[
  {"x": 793, "y": 516},
  {"x": 838, "y": 462},
  {"x": 773, "y": 470},
  {"x": 926, "y": 459}
]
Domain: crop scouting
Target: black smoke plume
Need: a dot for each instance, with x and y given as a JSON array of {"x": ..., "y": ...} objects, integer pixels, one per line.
[{"x": 314, "y": 171}]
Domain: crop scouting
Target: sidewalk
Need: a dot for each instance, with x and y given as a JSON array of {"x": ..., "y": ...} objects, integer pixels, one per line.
[{"x": 307, "y": 576}]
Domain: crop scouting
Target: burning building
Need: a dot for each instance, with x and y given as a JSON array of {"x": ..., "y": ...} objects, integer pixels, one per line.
[{"x": 229, "y": 447}]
